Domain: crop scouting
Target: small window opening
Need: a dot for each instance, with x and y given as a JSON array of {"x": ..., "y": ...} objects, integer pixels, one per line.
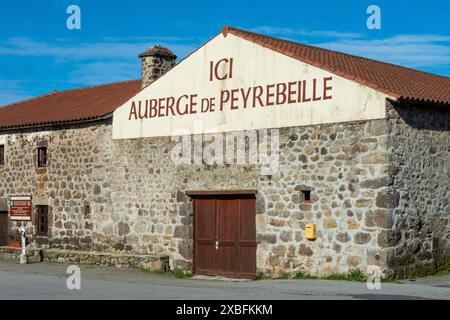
[
  {"x": 2, "y": 154},
  {"x": 42, "y": 157},
  {"x": 87, "y": 211},
  {"x": 306, "y": 196}
]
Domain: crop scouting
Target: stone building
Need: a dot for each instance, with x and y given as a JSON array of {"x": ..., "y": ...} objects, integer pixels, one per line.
[{"x": 359, "y": 148}]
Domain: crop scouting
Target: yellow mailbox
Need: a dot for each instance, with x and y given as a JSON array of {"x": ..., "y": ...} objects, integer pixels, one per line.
[{"x": 311, "y": 231}]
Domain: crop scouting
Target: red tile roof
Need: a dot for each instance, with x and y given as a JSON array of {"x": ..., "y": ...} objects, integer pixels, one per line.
[
  {"x": 68, "y": 106},
  {"x": 400, "y": 82}
]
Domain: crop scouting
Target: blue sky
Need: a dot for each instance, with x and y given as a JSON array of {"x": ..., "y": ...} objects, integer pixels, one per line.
[{"x": 39, "y": 54}]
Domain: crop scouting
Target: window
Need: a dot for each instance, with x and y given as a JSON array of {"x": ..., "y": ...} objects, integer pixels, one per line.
[
  {"x": 87, "y": 211},
  {"x": 306, "y": 196},
  {"x": 2, "y": 154},
  {"x": 42, "y": 157},
  {"x": 42, "y": 220}
]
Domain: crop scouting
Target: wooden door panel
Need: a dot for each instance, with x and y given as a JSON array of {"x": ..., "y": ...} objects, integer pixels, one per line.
[
  {"x": 228, "y": 219},
  {"x": 206, "y": 214},
  {"x": 227, "y": 234},
  {"x": 247, "y": 230},
  {"x": 205, "y": 260},
  {"x": 226, "y": 261},
  {"x": 247, "y": 237},
  {"x": 204, "y": 243},
  {"x": 247, "y": 263}
]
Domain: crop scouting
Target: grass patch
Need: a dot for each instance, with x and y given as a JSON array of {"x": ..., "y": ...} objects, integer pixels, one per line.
[
  {"x": 181, "y": 274},
  {"x": 283, "y": 276},
  {"x": 352, "y": 275},
  {"x": 444, "y": 270},
  {"x": 261, "y": 276},
  {"x": 300, "y": 275}
]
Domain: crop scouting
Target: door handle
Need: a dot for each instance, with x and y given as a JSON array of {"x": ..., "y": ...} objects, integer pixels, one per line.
[{"x": 217, "y": 244}]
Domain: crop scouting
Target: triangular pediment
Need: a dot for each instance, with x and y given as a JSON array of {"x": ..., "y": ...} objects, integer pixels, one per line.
[{"x": 233, "y": 84}]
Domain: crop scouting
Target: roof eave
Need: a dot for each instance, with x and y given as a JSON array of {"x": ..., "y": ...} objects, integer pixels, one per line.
[{"x": 56, "y": 123}]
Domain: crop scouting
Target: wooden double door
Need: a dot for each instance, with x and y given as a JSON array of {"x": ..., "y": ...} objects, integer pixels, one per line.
[{"x": 225, "y": 235}]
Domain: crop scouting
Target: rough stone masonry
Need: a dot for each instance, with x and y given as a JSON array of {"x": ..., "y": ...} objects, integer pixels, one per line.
[{"x": 125, "y": 196}]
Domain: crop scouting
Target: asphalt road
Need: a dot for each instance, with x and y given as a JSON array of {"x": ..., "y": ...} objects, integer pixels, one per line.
[{"x": 48, "y": 281}]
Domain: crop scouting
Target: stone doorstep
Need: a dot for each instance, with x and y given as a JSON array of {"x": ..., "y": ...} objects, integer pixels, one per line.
[
  {"x": 152, "y": 262},
  {"x": 219, "y": 278}
]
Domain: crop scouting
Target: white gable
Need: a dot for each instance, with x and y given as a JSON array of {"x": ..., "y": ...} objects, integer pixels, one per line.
[{"x": 250, "y": 87}]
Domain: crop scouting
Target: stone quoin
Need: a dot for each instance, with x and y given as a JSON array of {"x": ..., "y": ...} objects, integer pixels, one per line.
[{"x": 362, "y": 156}]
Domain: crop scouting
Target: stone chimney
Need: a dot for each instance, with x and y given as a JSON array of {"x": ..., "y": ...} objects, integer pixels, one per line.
[{"x": 156, "y": 61}]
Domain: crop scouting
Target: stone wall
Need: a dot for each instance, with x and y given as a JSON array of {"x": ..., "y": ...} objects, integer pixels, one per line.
[
  {"x": 419, "y": 149},
  {"x": 126, "y": 196},
  {"x": 36, "y": 255},
  {"x": 33, "y": 255},
  {"x": 345, "y": 168},
  {"x": 343, "y": 165},
  {"x": 155, "y": 66}
]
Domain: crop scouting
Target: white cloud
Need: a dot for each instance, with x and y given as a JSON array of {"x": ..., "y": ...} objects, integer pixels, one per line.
[
  {"x": 423, "y": 51},
  {"x": 149, "y": 39},
  {"x": 109, "y": 60},
  {"x": 416, "y": 51},
  {"x": 271, "y": 30},
  {"x": 103, "y": 72},
  {"x": 11, "y": 91},
  {"x": 415, "y": 38},
  {"x": 63, "y": 51}
]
